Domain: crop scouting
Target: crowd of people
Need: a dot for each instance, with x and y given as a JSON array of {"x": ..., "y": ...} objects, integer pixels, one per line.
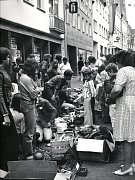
[{"x": 34, "y": 93}]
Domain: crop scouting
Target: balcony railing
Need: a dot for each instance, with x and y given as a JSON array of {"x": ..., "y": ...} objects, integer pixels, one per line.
[{"x": 57, "y": 24}]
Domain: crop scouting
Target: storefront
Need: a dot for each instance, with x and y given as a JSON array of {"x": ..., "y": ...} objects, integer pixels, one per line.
[{"x": 23, "y": 41}]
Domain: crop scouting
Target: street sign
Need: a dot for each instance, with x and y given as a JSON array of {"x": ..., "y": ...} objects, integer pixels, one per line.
[{"x": 73, "y": 7}]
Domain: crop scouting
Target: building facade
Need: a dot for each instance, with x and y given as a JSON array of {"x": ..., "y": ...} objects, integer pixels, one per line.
[
  {"x": 118, "y": 27},
  {"x": 32, "y": 26},
  {"x": 78, "y": 32},
  {"x": 100, "y": 28}
]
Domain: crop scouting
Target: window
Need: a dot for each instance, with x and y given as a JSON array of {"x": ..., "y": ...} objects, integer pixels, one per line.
[
  {"x": 90, "y": 4},
  {"x": 67, "y": 16},
  {"x": 29, "y": 2},
  {"x": 103, "y": 11},
  {"x": 95, "y": 26},
  {"x": 104, "y": 33},
  {"x": 83, "y": 27},
  {"x": 53, "y": 7},
  {"x": 78, "y": 21},
  {"x": 90, "y": 30},
  {"x": 97, "y": 5},
  {"x": 100, "y": 29},
  {"x": 87, "y": 2},
  {"x": 40, "y": 4},
  {"x": 56, "y": 3},
  {"x": 87, "y": 28},
  {"x": 100, "y": 8},
  {"x": 73, "y": 22}
]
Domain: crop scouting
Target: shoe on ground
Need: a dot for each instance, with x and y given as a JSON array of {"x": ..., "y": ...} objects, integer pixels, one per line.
[{"x": 29, "y": 157}]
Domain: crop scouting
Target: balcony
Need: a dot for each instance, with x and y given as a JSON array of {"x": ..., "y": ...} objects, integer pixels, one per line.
[{"x": 57, "y": 24}]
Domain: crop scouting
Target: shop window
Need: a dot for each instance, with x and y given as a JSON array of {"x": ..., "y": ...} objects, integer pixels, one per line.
[
  {"x": 81, "y": 53},
  {"x": 16, "y": 47},
  {"x": 89, "y": 53},
  {"x": 37, "y": 50}
]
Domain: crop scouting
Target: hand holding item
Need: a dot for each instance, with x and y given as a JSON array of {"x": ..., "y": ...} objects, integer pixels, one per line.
[
  {"x": 6, "y": 120},
  {"x": 53, "y": 98}
]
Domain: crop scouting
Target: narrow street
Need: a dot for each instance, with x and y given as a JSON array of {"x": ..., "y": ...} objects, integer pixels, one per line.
[{"x": 100, "y": 170}]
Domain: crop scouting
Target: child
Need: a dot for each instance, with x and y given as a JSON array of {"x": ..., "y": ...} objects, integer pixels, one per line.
[
  {"x": 17, "y": 115},
  {"x": 88, "y": 92},
  {"x": 86, "y": 66},
  {"x": 111, "y": 69}
]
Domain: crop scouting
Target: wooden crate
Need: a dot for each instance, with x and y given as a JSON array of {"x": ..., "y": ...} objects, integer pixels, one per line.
[
  {"x": 59, "y": 149},
  {"x": 33, "y": 169}
]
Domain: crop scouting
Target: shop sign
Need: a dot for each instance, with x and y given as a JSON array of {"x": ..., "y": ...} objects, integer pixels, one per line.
[{"x": 73, "y": 7}]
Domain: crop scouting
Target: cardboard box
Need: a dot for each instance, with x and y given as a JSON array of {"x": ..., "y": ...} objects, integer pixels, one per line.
[
  {"x": 32, "y": 169},
  {"x": 93, "y": 150}
]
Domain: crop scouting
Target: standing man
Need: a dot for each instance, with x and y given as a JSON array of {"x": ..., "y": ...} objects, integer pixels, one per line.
[{"x": 80, "y": 65}]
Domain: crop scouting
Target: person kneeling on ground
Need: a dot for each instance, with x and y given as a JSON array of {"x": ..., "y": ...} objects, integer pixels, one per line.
[{"x": 46, "y": 115}]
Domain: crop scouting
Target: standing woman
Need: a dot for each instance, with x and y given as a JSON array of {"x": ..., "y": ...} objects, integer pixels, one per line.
[
  {"x": 124, "y": 124},
  {"x": 29, "y": 93},
  {"x": 8, "y": 135}
]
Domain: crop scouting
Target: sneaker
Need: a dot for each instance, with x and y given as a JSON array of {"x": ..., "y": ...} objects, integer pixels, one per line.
[{"x": 29, "y": 157}]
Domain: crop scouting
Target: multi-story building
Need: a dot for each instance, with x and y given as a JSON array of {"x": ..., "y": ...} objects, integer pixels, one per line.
[
  {"x": 100, "y": 28},
  {"x": 32, "y": 26},
  {"x": 118, "y": 27},
  {"x": 131, "y": 39},
  {"x": 78, "y": 32}
]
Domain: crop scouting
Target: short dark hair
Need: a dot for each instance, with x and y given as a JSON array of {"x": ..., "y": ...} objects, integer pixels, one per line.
[
  {"x": 64, "y": 59},
  {"x": 124, "y": 58},
  {"x": 16, "y": 100},
  {"x": 91, "y": 59},
  {"x": 87, "y": 71},
  {"x": 4, "y": 52},
  {"x": 31, "y": 56},
  {"x": 101, "y": 68},
  {"x": 47, "y": 56},
  {"x": 68, "y": 72},
  {"x": 58, "y": 57},
  {"x": 30, "y": 67},
  {"x": 111, "y": 67}
]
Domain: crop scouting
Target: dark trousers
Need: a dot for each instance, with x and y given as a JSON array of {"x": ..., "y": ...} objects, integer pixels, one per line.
[{"x": 9, "y": 146}]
